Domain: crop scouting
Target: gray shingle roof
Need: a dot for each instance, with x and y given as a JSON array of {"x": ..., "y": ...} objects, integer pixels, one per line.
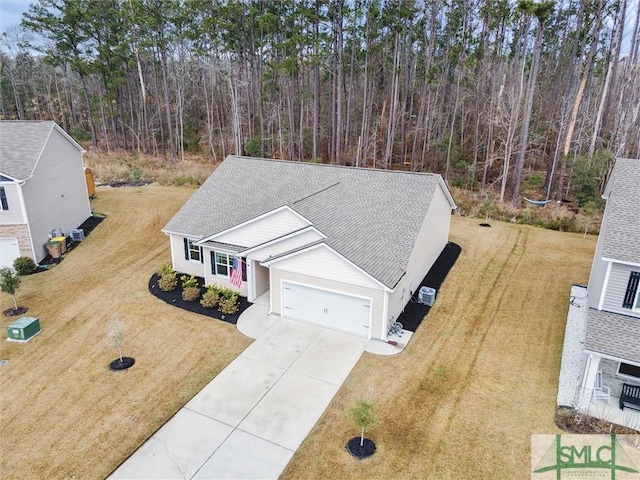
[
  {"x": 621, "y": 230},
  {"x": 371, "y": 217},
  {"x": 613, "y": 334},
  {"x": 21, "y": 143}
]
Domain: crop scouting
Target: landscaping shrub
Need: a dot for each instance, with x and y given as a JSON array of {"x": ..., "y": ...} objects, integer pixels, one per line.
[
  {"x": 210, "y": 297},
  {"x": 165, "y": 269},
  {"x": 229, "y": 306},
  {"x": 190, "y": 288},
  {"x": 190, "y": 294},
  {"x": 168, "y": 282},
  {"x": 24, "y": 265},
  {"x": 228, "y": 301}
]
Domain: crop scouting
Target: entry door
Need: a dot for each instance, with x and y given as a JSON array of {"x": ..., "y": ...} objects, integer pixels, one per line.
[
  {"x": 9, "y": 251},
  {"x": 329, "y": 309}
]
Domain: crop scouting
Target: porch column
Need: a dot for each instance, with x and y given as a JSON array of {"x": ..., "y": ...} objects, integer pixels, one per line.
[
  {"x": 588, "y": 382},
  {"x": 251, "y": 282}
]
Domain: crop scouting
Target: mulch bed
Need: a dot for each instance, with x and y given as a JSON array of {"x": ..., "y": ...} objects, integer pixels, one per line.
[
  {"x": 126, "y": 362},
  {"x": 414, "y": 312},
  {"x": 12, "y": 312},
  {"x": 175, "y": 298},
  {"x": 572, "y": 421},
  {"x": 87, "y": 226},
  {"x": 365, "y": 450}
]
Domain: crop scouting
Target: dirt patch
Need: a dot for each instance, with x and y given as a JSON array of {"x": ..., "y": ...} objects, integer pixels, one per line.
[{"x": 573, "y": 421}]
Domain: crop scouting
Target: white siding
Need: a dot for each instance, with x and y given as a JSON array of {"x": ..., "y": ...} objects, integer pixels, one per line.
[
  {"x": 56, "y": 195},
  {"x": 267, "y": 228},
  {"x": 180, "y": 263},
  {"x": 616, "y": 288},
  {"x": 431, "y": 240},
  {"x": 14, "y": 215},
  {"x": 375, "y": 294},
  {"x": 261, "y": 275},
  {"x": 321, "y": 262},
  {"x": 285, "y": 245},
  {"x": 221, "y": 280}
]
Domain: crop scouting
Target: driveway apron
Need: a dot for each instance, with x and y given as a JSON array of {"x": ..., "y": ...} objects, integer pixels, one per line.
[{"x": 252, "y": 417}]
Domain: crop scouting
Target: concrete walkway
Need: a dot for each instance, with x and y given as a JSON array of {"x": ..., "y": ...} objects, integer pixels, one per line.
[{"x": 252, "y": 417}]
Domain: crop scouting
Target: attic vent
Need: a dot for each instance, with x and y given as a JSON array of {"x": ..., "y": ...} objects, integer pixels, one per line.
[
  {"x": 77, "y": 235},
  {"x": 427, "y": 295}
]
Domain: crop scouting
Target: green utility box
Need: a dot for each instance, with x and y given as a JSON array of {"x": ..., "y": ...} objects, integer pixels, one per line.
[{"x": 24, "y": 329}]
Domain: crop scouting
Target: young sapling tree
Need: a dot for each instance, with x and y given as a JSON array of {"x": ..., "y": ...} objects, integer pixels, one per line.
[
  {"x": 9, "y": 283},
  {"x": 364, "y": 417},
  {"x": 116, "y": 335}
]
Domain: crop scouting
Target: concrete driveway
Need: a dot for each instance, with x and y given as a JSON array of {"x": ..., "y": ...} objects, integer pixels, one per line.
[{"x": 249, "y": 420}]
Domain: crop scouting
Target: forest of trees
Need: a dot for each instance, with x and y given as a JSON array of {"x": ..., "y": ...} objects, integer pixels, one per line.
[{"x": 482, "y": 91}]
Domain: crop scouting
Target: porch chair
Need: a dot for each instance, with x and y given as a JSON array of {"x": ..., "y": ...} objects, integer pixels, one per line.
[{"x": 600, "y": 392}]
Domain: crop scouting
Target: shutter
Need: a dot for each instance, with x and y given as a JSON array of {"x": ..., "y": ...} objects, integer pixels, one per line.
[
  {"x": 201, "y": 255},
  {"x": 213, "y": 263},
  {"x": 632, "y": 289},
  {"x": 244, "y": 270},
  {"x": 186, "y": 249}
]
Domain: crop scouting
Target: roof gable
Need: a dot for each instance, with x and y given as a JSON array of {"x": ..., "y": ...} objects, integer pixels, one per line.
[
  {"x": 259, "y": 230},
  {"x": 334, "y": 265},
  {"x": 621, "y": 229},
  {"x": 22, "y": 144},
  {"x": 370, "y": 217}
]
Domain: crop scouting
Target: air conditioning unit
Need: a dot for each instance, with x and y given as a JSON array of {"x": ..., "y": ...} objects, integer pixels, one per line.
[
  {"x": 77, "y": 235},
  {"x": 427, "y": 295}
]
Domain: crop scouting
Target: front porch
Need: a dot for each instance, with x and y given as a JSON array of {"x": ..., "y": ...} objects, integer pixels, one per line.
[{"x": 612, "y": 413}]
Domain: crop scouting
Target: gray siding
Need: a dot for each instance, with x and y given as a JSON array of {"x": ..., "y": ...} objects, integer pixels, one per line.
[
  {"x": 616, "y": 288},
  {"x": 598, "y": 271},
  {"x": 14, "y": 215},
  {"x": 56, "y": 195},
  {"x": 611, "y": 379}
]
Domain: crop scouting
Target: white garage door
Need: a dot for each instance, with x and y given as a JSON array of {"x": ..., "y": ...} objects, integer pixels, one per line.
[
  {"x": 330, "y": 309},
  {"x": 9, "y": 251}
]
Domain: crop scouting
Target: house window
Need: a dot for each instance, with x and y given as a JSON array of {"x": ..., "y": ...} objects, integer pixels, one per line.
[
  {"x": 192, "y": 251},
  {"x": 3, "y": 199},
  {"x": 221, "y": 263},
  {"x": 628, "y": 370},
  {"x": 632, "y": 295}
]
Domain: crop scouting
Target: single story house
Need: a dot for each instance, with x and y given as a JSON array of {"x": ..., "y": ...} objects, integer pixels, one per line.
[
  {"x": 612, "y": 344},
  {"x": 43, "y": 191},
  {"x": 337, "y": 246}
]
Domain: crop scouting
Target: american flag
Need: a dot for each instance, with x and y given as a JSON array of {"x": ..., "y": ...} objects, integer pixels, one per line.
[{"x": 236, "y": 273}]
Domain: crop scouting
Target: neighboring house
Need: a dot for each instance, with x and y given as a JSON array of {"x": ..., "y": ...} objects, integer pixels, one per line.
[
  {"x": 42, "y": 188},
  {"x": 337, "y": 246},
  {"x": 612, "y": 340}
]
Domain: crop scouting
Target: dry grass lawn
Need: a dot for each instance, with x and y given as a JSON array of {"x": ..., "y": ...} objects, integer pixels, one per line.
[
  {"x": 478, "y": 378},
  {"x": 63, "y": 414}
]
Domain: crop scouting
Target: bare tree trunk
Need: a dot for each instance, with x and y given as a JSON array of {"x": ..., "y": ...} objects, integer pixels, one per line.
[
  {"x": 524, "y": 134},
  {"x": 613, "y": 60}
]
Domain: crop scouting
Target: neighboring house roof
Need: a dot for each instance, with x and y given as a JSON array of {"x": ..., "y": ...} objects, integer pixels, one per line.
[
  {"x": 621, "y": 230},
  {"x": 371, "y": 217},
  {"x": 22, "y": 143},
  {"x": 613, "y": 334}
]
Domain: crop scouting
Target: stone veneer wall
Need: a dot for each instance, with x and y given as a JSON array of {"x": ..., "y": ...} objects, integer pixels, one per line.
[
  {"x": 21, "y": 232},
  {"x": 611, "y": 379}
]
